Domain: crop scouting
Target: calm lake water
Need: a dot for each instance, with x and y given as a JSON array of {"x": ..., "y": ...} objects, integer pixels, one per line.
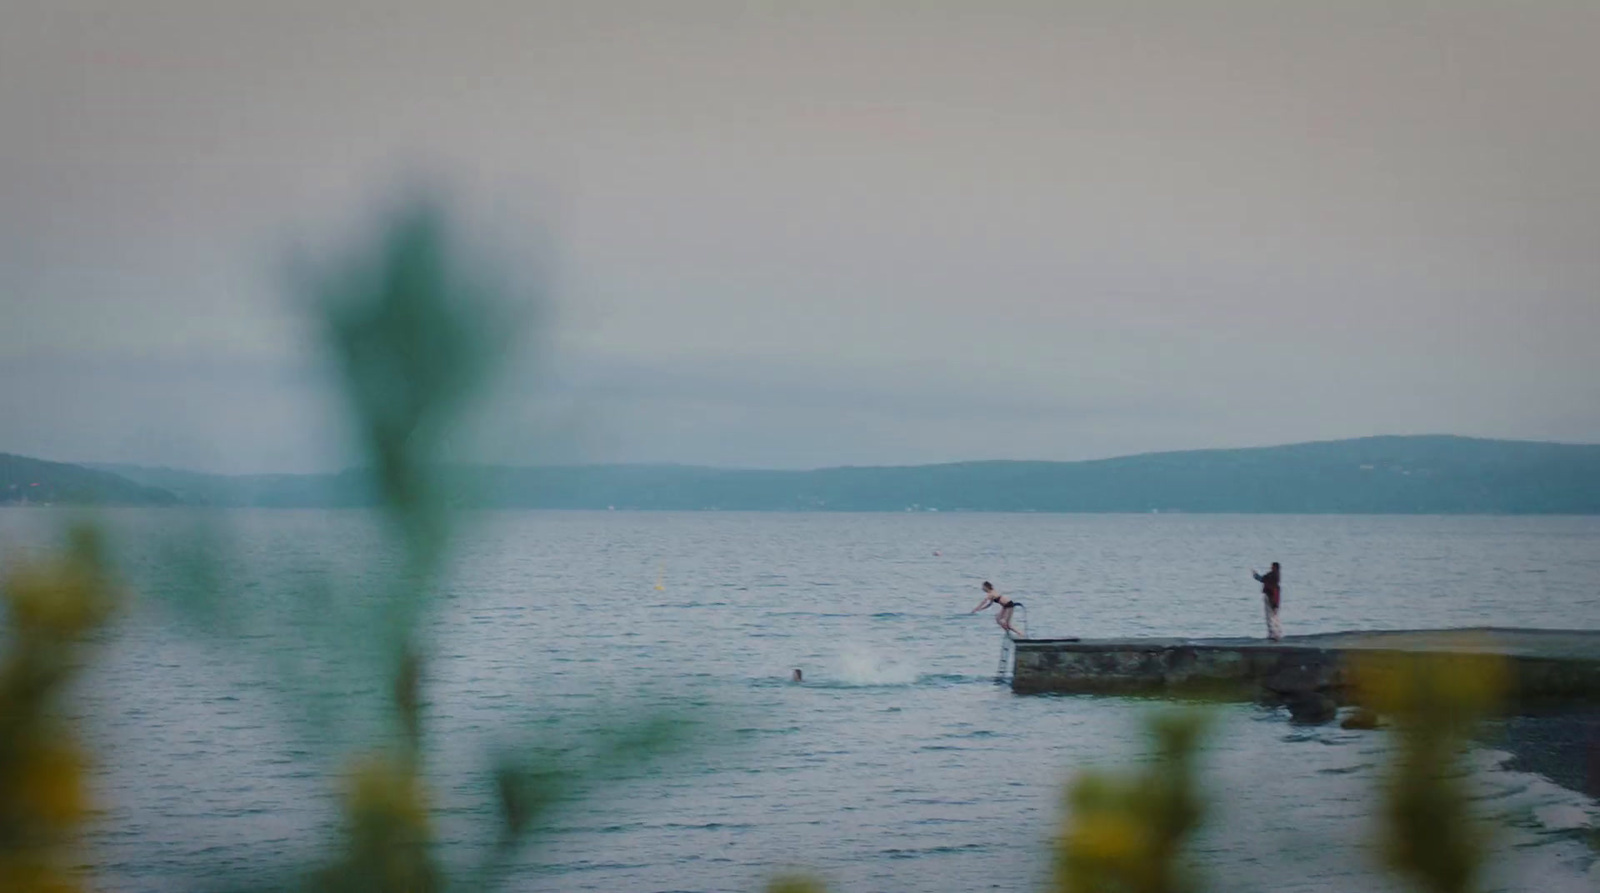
[{"x": 898, "y": 765}]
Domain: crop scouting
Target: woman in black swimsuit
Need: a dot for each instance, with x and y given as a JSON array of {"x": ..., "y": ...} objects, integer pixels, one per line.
[{"x": 1006, "y": 607}]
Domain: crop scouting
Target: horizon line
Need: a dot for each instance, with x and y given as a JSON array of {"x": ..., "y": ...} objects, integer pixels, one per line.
[{"x": 805, "y": 470}]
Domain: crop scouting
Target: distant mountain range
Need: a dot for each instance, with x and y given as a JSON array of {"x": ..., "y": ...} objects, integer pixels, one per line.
[
  {"x": 1379, "y": 475},
  {"x": 37, "y": 482}
]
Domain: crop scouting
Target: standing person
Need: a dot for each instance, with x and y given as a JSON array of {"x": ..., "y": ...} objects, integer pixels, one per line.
[
  {"x": 992, "y": 596},
  {"x": 1270, "y": 600}
]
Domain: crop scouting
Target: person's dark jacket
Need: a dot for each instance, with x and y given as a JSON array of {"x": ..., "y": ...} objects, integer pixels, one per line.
[{"x": 1269, "y": 587}]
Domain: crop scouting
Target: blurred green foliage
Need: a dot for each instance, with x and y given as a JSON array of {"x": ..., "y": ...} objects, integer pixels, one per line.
[
  {"x": 401, "y": 324},
  {"x": 1428, "y": 832},
  {"x": 1125, "y": 834},
  {"x": 414, "y": 328},
  {"x": 53, "y": 608},
  {"x": 415, "y": 331},
  {"x": 795, "y": 883}
]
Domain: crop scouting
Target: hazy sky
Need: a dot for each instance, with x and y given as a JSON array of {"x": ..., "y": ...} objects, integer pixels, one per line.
[{"x": 813, "y": 233}]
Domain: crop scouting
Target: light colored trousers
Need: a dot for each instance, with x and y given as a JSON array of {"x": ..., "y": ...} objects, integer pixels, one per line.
[{"x": 1274, "y": 627}]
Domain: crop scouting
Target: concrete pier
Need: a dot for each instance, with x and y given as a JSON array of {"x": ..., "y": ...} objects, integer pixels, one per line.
[{"x": 1549, "y": 667}]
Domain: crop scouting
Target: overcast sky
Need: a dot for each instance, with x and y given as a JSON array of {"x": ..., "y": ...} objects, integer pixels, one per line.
[{"x": 794, "y": 234}]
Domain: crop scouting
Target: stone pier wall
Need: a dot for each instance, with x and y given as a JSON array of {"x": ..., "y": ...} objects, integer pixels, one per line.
[
  {"x": 1548, "y": 666},
  {"x": 1178, "y": 669}
]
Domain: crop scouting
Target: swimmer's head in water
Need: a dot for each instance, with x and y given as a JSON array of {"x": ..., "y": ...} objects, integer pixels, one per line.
[
  {"x": 796, "y": 676},
  {"x": 987, "y": 586}
]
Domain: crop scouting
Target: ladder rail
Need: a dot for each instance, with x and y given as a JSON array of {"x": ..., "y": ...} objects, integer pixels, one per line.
[{"x": 1008, "y": 650}]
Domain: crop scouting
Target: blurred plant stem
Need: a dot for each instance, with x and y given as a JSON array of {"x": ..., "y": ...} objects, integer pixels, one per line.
[
  {"x": 1125, "y": 834},
  {"x": 53, "y": 607},
  {"x": 414, "y": 334},
  {"x": 1428, "y": 832},
  {"x": 415, "y": 329},
  {"x": 388, "y": 835},
  {"x": 795, "y": 883},
  {"x": 409, "y": 329}
]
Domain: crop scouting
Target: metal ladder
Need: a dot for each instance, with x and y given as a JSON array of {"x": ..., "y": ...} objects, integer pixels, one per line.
[{"x": 1008, "y": 650}]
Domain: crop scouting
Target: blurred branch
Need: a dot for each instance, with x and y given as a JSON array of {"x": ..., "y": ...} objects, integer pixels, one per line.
[
  {"x": 415, "y": 333},
  {"x": 406, "y": 327},
  {"x": 532, "y": 787},
  {"x": 53, "y": 608},
  {"x": 1124, "y": 834},
  {"x": 796, "y": 883},
  {"x": 388, "y": 837},
  {"x": 1428, "y": 832}
]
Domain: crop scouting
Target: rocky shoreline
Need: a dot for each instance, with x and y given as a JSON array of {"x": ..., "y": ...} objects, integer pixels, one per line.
[{"x": 1562, "y": 745}]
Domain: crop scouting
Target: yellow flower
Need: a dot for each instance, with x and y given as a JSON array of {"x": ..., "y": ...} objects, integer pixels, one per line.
[
  {"x": 1127, "y": 833},
  {"x": 28, "y": 873},
  {"x": 1428, "y": 832},
  {"x": 56, "y": 599},
  {"x": 48, "y": 786},
  {"x": 51, "y": 604},
  {"x": 1108, "y": 838},
  {"x": 63, "y": 597},
  {"x": 386, "y": 832},
  {"x": 382, "y": 786},
  {"x": 795, "y": 883},
  {"x": 1454, "y": 689}
]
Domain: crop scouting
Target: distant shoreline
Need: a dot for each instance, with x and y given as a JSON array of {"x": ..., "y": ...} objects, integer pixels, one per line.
[
  {"x": 1422, "y": 475},
  {"x": 182, "y": 506}
]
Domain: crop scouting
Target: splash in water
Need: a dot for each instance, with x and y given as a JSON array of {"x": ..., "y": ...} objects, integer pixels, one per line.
[{"x": 861, "y": 665}]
